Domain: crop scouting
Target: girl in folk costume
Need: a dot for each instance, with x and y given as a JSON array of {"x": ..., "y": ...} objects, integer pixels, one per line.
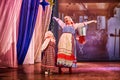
[
  {"x": 48, "y": 53},
  {"x": 66, "y": 55}
]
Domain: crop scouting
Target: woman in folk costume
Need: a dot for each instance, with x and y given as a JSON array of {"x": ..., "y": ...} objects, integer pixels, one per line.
[
  {"x": 48, "y": 53},
  {"x": 66, "y": 55}
]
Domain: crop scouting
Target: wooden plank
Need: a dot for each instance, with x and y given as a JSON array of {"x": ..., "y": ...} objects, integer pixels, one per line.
[
  {"x": 88, "y": 1},
  {"x": 82, "y": 12}
]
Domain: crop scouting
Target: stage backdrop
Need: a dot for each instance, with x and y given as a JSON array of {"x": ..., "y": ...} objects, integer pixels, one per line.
[{"x": 103, "y": 38}]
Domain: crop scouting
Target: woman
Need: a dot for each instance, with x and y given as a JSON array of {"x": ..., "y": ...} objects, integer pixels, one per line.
[
  {"x": 48, "y": 53},
  {"x": 66, "y": 47}
]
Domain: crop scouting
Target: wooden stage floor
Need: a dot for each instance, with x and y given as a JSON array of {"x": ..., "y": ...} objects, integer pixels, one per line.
[{"x": 84, "y": 71}]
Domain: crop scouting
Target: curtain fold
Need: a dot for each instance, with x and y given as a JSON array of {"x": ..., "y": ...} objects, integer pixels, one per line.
[
  {"x": 40, "y": 30},
  {"x": 28, "y": 17},
  {"x": 19, "y": 42},
  {"x": 41, "y": 26},
  {"x": 9, "y": 18}
]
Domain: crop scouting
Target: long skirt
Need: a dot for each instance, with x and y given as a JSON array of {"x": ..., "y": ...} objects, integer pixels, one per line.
[
  {"x": 48, "y": 58},
  {"x": 65, "y": 55}
]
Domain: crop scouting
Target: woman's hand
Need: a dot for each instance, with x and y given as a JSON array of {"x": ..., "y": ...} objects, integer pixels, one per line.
[
  {"x": 95, "y": 21},
  {"x": 54, "y": 18}
]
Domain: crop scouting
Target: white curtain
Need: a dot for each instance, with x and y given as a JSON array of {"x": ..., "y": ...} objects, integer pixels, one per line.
[
  {"x": 42, "y": 24},
  {"x": 9, "y": 20}
]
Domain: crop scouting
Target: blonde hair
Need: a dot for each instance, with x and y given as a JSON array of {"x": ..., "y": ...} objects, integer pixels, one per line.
[{"x": 69, "y": 19}]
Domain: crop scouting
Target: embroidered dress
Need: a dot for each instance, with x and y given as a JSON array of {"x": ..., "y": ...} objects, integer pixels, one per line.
[
  {"x": 48, "y": 53},
  {"x": 48, "y": 58},
  {"x": 66, "y": 53}
]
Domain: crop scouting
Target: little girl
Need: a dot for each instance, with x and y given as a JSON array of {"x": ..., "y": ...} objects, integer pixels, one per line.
[{"x": 48, "y": 53}]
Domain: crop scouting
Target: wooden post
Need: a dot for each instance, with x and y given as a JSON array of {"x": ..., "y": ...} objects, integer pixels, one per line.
[
  {"x": 115, "y": 41},
  {"x": 119, "y": 43}
]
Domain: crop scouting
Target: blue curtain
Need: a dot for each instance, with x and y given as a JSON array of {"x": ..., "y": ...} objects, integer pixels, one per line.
[{"x": 28, "y": 16}]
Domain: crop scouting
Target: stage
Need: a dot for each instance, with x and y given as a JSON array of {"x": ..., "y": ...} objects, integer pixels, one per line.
[{"x": 83, "y": 71}]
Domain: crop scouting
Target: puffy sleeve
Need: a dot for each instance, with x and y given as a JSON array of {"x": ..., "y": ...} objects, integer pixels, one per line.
[
  {"x": 45, "y": 44},
  {"x": 59, "y": 21},
  {"x": 76, "y": 25}
]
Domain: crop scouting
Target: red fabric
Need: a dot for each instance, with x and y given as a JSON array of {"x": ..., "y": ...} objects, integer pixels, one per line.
[
  {"x": 81, "y": 39},
  {"x": 63, "y": 56}
]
